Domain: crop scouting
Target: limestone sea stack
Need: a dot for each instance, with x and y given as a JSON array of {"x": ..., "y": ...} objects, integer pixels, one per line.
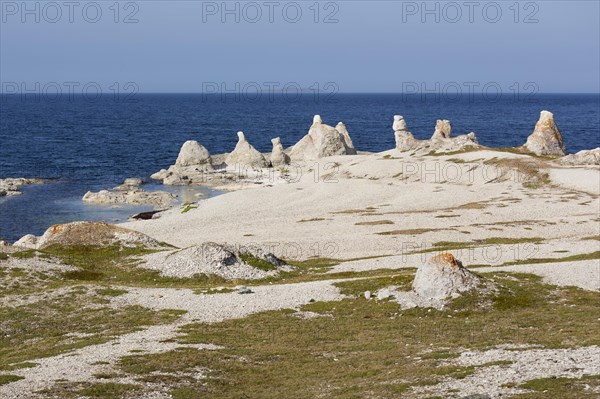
[
  {"x": 245, "y": 155},
  {"x": 341, "y": 128},
  {"x": 323, "y": 141},
  {"x": 546, "y": 138},
  {"x": 404, "y": 139},
  {"x": 278, "y": 156},
  {"x": 193, "y": 153},
  {"x": 192, "y": 165}
]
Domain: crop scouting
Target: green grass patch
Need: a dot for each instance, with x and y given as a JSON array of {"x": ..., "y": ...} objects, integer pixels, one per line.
[
  {"x": 367, "y": 347},
  {"x": 570, "y": 258},
  {"x": 257, "y": 263},
  {"x": 564, "y": 388},
  {"x": 7, "y": 378}
]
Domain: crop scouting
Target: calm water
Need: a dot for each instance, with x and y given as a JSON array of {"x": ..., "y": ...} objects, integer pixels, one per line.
[{"x": 93, "y": 145}]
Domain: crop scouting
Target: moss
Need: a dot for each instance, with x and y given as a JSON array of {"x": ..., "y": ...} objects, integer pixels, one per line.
[
  {"x": 257, "y": 263},
  {"x": 24, "y": 254},
  {"x": 567, "y": 388},
  {"x": 108, "y": 390},
  {"x": 7, "y": 378},
  {"x": 111, "y": 291},
  {"x": 571, "y": 258}
]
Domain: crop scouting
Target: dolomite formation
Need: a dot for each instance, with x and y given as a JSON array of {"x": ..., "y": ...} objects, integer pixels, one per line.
[
  {"x": 130, "y": 195},
  {"x": 278, "y": 156},
  {"x": 322, "y": 141},
  {"x": 546, "y": 139},
  {"x": 341, "y": 128},
  {"x": 443, "y": 129},
  {"x": 193, "y": 153},
  {"x": 87, "y": 233},
  {"x": 584, "y": 157},
  {"x": 404, "y": 139},
  {"x": 443, "y": 277},
  {"x": 191, "y": 167},
  {"x": 245, "y": 155},
  {"x": 11, "y": 186}
]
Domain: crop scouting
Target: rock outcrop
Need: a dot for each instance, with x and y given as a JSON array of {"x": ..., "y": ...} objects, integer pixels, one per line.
[
  {"x": 87, "y": 233},
  {"x": 193, "y": 153},
  {"x": 130, "y": 195},
  {"x": 404, "y": 138},
  {"x": 443, "y": 277},
  {"x": 584, "y": 157},
  {"x": 441, "y": 140},
  {"x": 11, "y": 186},
  {"x": 341, "y": 128},
  {"x": 245, "y": 155},
  {"x": 215, "y": 259},
  {"x": 546, "y": 139},
  {"x": 322, "y": 141},
  {"x": 278, "y": 156},
  {"x": 191, "y": 167}
]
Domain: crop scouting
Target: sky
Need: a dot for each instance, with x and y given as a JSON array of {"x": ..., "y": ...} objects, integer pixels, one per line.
[{"x": 331, "y": 46}]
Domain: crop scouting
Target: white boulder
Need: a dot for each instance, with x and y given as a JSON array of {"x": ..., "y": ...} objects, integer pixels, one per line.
[
  {"x": 584, "y": 157},
  {"x": 193, "y": 153},
  {"x": 443, "y": 277}
]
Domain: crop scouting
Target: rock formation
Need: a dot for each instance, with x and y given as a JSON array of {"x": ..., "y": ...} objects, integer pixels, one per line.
[
  {"x": 193, "y": 153},
  {"x": 322, "y": 141},
  {"x": 584, "y": 157},
  {"x": 442, "y": 141},
  {"x": 404, "y": 139},
  {"x": 341, "y": 128},
  {"x": 215, "y": 259},
  {"x": 87, "y": 233},
  {"x": 278, "y": 156},
  {"x": 191, "y": 167},
  {"x": 443, "y": 130},
  {"x": 130, "y": 194},
  {"x": 245, "y": 155},
  {"x": 11, "y": 186},
  {"x": 546, "y": 139},
  {"x": 443, "y": 277}
]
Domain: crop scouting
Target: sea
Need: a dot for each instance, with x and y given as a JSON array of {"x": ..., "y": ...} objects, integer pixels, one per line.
[{"x": 81, "y": 143}]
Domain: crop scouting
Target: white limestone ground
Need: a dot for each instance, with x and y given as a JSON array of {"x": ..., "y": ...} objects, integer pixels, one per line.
[
  {"x": 527, "y": 365},
  {"x": 416, "y": 201},
  {"x": 81, "y": 364}
]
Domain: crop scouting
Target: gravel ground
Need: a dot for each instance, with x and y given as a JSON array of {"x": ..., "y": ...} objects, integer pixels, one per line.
[
  {"x": 491, "y": 380},
  {"x": 79, "y": 365}
]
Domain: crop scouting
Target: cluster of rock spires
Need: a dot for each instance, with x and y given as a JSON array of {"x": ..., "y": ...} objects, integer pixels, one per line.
[
  {"x": 441, "y": 139},
  {"x": 194, "y": 163}
]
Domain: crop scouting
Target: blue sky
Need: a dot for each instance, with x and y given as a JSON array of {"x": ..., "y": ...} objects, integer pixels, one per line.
[{"x": 375, "y": 46}]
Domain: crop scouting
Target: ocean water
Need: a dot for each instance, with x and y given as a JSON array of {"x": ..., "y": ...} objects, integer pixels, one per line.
[{"x": 92, "y": 144}]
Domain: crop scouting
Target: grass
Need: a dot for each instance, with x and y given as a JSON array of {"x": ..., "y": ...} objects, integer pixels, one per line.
[
  {"x": 311, "y": 220},
  {"x": 567, "y": 388},
  {"x": 367, "y": 347},
  {"x": 374, "y": 223},
  {"x": 72, "y": 321},
  {"x": 7, "y": 378},
  {"x": 110, "y": 291},
  {"x": 452, "y": 245},
  {"x": 257, "y": 263},
  {"x": 570, "y": 258},
  {"x": 30, "y": 253},
  {"x": 405, "y": 231}
]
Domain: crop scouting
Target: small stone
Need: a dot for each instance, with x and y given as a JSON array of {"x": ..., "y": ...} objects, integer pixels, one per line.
[
  {"x": 244, "y": 290},
  {"x": 368, "y": 295},
  {"x": 383, "y": 293}
]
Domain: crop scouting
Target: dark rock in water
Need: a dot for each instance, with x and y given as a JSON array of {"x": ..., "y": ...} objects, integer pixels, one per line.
[{"x": 146, "y": 215}]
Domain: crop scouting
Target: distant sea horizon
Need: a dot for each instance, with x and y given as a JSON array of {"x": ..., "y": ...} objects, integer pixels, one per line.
[{"x": 94, "y": 144}]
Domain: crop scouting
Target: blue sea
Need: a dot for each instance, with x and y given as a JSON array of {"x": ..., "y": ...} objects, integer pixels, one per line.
[{"x": 91, "y": 144}]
